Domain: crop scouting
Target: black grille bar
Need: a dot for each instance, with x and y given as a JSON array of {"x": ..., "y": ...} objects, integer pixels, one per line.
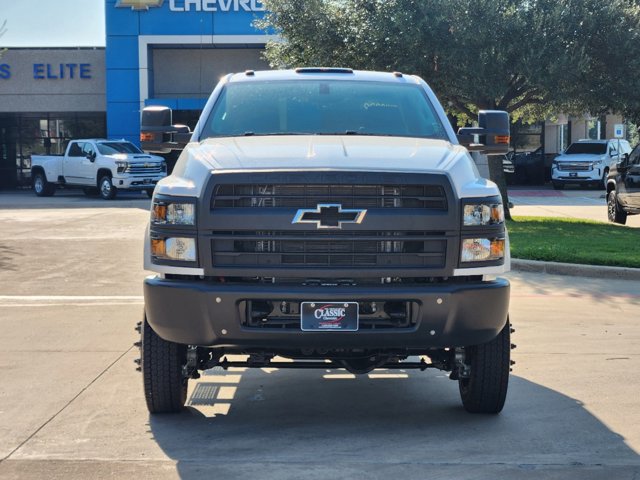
[
  {"x": 431, "y": 197},
  {"x": 330, "y": 249}
]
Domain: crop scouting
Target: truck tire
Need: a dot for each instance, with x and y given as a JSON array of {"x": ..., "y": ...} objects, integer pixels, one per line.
[
  {"x": 485, "y": 388},
  {"x": 165, "y": 388},
  {"x": 106, "y": 189},
  {"x": 41, "y": 187},
  {"x": 615, "y": 214}
]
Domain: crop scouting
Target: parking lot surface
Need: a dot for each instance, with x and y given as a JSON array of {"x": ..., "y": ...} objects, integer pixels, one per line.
[
  {"x": 71, "y": 402},
  {"x": 572, "y": 203}
]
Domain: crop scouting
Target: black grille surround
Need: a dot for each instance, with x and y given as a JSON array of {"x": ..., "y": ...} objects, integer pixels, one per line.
[{"x": 411, "y": 227}]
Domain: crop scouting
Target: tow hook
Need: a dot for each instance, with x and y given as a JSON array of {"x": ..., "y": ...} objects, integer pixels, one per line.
[
  {"x": 190, "y": 369},
  {"x": 462, "y": 370}
]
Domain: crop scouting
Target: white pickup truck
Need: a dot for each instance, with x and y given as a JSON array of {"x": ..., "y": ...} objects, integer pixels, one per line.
[
  {"x": 99, "y": 167},
  {"x": 331, "y": 217}
]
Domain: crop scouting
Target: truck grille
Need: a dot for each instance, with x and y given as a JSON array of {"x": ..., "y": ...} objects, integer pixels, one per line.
[
  {"x": 575, "y": 167},
  {"x": 144, "y": 168},
  {"x": 329, "y": 249},
  {"x": 431, "y": 197}
]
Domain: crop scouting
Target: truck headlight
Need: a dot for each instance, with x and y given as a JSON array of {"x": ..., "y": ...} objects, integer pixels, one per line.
[
  {"x": 164, "y": 213},
  {"x": 174, "y": 248},
  {"x": 482, "y": 249},
  {"x": 483, "y": 214},
  {"x": 122, "y": 166}
]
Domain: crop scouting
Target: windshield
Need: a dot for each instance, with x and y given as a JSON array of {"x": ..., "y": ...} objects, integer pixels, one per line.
[
  {"x": 591, "y": 148},
  {"x": 323, "y": 107},
  {"x": 110, "y": 148}
]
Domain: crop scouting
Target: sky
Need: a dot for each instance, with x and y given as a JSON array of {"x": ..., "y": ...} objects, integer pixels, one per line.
[{"x": 52, "y": 23}]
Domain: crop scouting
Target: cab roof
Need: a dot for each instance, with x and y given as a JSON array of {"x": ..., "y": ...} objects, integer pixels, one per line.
[{"x": 319, "y": 73}]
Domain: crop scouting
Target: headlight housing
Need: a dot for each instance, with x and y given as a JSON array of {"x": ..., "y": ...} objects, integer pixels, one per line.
[
  {"x": 482, "y": 214},
  {"x": 122, "y": 166},
  {"x": 173, "y": 213},
  {"x": 180, "y": 249},
  {"x": 483, "y": 232},
  {"x": 482, "y": 250}
]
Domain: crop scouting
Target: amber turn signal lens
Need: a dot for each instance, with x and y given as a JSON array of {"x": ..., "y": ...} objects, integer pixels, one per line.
[
  {"x": 497, "y": 248},
  {"x": 159, "y": 213},
  {"x": 146, "y": 137},
  {"x": 502, "y": 139},
  {"x": 158, "y": 247}
]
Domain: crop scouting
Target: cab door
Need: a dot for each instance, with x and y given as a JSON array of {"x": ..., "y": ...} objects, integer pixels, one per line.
[
  {"x": 632, "y": 179},
  {"x": 88, "y": 164},
  {"x": 72, "y": 166}
]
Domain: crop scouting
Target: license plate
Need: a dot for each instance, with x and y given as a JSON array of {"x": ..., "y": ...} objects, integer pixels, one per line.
[
  {"x": 573, "y": 174},
  {"x": 329, "y": 316}
]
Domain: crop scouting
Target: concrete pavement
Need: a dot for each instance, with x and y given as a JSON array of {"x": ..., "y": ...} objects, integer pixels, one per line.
[
  {"x": 71, "y": 402},
  {"x": 570, "y": 202}
]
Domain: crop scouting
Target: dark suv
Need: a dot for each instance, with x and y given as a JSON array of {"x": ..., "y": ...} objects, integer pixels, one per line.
[{"x": 623, "y": 188}]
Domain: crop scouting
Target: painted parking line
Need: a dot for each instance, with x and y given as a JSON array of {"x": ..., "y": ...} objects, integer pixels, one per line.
[{"x": 68, "y": 300}]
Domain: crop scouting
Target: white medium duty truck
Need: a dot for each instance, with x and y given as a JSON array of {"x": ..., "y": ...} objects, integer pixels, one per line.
[
  {"x": 100, "y": 167},
  {"x": 332, "y": 218}
]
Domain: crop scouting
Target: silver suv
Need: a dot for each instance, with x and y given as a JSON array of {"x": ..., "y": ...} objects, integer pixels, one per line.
[{"x": 587, "y": 162}]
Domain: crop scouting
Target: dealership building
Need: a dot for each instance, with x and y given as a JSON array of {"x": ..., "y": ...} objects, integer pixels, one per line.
[{"x": 158, "y": 52}]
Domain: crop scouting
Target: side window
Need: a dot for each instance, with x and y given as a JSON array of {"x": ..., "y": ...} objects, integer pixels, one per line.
[
  {"x": 87, "y": 150},
  {"x": 75, "y": 150},
  {"x": 634, "y": 158}
]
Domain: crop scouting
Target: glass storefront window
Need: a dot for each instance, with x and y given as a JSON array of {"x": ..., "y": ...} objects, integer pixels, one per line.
[{"x": 26, "y": 134}]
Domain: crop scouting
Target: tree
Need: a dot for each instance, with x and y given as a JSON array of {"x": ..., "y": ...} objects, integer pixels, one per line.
[{"x": 528, "y": 57}]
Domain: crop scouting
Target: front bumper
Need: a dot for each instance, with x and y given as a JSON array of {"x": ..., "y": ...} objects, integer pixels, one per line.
[
  {"x": 140, "y": 182},
  {"x": 211, "y": 314},
  {"x": 578, "y": 176}
]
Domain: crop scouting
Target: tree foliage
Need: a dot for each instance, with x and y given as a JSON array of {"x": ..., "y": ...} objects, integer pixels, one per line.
[{"x": 528, "y": 57}]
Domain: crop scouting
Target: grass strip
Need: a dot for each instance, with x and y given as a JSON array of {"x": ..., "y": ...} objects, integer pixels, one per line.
[{"x": 574, "y": 241}]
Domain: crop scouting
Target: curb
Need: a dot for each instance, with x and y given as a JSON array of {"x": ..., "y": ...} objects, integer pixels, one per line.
[{"x": 577, "y": 270}]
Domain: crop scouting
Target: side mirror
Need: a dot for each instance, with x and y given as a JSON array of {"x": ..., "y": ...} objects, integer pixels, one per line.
[
  {"x": 91, "y": 156},
  {"x": 157, "y": 132},
  {"x": 493, "y": 131}
]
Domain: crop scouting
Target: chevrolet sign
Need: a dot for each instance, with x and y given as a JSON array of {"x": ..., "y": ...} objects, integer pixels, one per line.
[
  {"x": 139, "y": 4},
  {"x": 197, "y": 5}
]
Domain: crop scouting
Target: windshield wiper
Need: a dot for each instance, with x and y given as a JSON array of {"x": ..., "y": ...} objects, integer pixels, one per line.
[{"x": 353, "y": 132}]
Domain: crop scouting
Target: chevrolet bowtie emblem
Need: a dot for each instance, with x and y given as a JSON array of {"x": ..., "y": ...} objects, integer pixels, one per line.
[
  {"x": 328, "y": 215},
  {"x": 139, "y": 4}
]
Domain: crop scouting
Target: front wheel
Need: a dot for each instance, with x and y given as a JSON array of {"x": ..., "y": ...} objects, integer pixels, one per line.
[
  {"x": 615, "y": 214},
  {"x": 106, "y": 189},
  {"x": 165, "y": 386},
  {"x": 484, "y": 387}
]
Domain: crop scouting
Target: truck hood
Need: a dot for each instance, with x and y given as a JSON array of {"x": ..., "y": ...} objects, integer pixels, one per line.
[
  {"x": 315, "y": 152},
  {"x": 333, "y": 152},
  {"x": 580, "y": 157},
  {"x": 134, "y": 157}
]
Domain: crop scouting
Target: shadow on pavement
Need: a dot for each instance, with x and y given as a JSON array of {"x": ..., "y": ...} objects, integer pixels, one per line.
[
  {"x": 255, "y": 424},
  {"x": 544, "y": 285},
  {"x": 9, "y": 258}
]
